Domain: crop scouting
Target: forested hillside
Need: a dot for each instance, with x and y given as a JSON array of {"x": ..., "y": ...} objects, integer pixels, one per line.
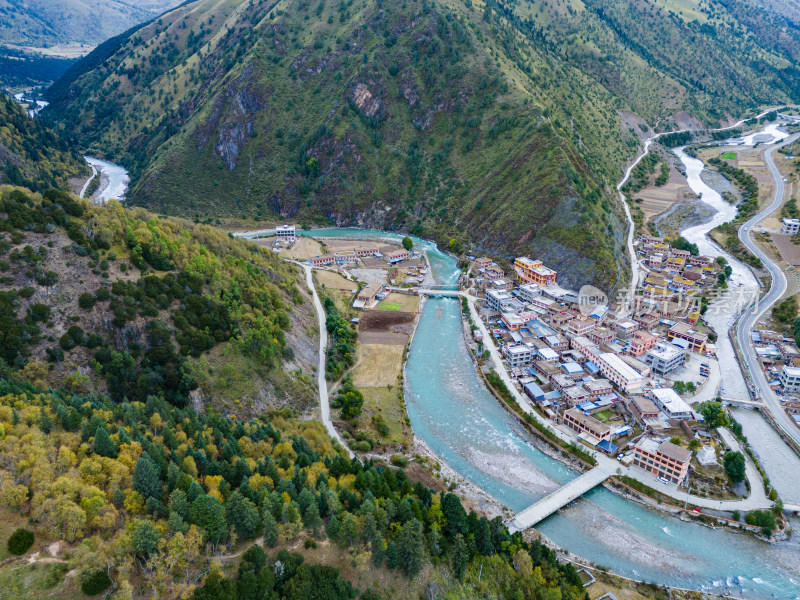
[
  {"x": 32, "y": 155},
  {"x": 102, "y": 299}
]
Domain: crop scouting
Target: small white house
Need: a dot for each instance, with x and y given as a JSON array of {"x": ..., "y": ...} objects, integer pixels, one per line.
[{"x": 790, "y": 226}]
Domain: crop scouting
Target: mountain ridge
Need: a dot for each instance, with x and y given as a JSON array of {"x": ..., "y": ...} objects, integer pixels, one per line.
[{"x": 497, "y": 125}]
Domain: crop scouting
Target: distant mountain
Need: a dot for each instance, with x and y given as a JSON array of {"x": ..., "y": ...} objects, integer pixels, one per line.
[
  {"x": 503, "y": 125},
  {"x": 31, "y": 155},
  {"x": 43, "y": 23}
]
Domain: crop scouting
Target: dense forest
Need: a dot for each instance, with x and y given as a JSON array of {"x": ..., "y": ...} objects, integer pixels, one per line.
[{"x": 159, "y": 501}]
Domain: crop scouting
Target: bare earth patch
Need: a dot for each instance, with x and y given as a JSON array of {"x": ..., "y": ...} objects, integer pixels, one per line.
[
  {"x": 303, "y": 249},
  {"x": 379, "y": 365}
]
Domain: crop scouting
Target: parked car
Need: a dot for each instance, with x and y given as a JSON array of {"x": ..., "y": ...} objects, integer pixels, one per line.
[{"x": 664, "y": 480}]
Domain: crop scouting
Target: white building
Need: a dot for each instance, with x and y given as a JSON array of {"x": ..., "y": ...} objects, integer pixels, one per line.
[
  {"x": 501, "y": 301},
  {"x": 671, "y": 404},
  {"x": 664, "y": 358},
  {"x": 519, "y": 356},
  {"x": 620, "y": 373},
  {"x": 528, "y": 292},
  {"x": 286, "y": 233},
  {"x": 790, "y": 226},
  {"x": 790, "y": 378}
]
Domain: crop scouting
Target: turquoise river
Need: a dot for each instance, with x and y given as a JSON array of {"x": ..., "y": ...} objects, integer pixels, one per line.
[{"x": 454, "y": 414}]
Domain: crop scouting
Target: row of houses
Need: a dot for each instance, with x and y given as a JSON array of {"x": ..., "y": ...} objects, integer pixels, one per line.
[{"x": 352, "y": 256}]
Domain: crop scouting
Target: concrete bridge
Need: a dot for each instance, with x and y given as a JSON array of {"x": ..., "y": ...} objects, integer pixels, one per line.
[
  {"x": 558, "y": 499},
  {"x": 440, "y": 292},
  {"x": 738, "y": 402}
]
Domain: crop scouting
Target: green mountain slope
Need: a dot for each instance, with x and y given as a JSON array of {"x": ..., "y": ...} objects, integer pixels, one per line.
[
  {"x": 43, "y": 23},
  {"x": 395, "y": 116},
  {"x": 31, "y": 155},
  {"x": 712, "y": 59},
  {"x": 497, "y": 124},
  {"x": 102, "y": 299}
]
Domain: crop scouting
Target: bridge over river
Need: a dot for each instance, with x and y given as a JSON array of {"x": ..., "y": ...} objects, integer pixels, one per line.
[{"x": 558, "y": 499}]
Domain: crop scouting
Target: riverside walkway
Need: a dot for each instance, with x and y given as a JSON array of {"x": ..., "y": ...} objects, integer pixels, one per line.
[{"x": 558, "y": 499}]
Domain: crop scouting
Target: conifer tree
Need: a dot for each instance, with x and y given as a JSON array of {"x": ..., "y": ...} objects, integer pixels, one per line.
[
  {"x": 103, "y": 444},
  {"x": 270, "y": 529}
]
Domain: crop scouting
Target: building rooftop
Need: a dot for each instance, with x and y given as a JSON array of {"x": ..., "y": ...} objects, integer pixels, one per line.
[
  {"x": 548, "y": 354},
  {"x": 572, "y": 368},
  {"x": 599, "y": 384},
  {"x": 674, "y": 452},
  {"x": 670, "y": 400},
  {"x": 512, "y": 319},
  {"x": 499, "y": 295},
  {"x": 588, "y": 421},
  {"x": 518, "y": 350},
  {"x": 645, "y": 405},
  {"x": 685, "y": 329},
  {"x": 620, "y": 366},
  {"x": 665, "y": 352},
  {"x": 792, "y": 371}
]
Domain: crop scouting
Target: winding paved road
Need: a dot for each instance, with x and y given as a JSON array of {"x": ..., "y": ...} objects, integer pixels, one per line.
[
  {"x": 751, "y": 316},
  {"x": 630, "y": 293},
  {"x": 324, "y": 404}
]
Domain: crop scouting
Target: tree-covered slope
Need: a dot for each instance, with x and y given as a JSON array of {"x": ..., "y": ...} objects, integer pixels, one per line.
[
  {"x": 32, "y": 155},
  {"x": 109, "y": 300},
  {"x": 143, "y": 499},
  {"x": 713, "y": 59}
]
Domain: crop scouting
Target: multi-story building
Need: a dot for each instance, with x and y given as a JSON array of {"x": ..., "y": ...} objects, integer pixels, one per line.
[
  {"x": 533, "y": 271},
  {"x": 673, "y": 405},
  {"x": 697, "y": 340},
  {"x": 498, "y": 300},
  {"x": 601, "y": 335},
  {"x": 557, "y": 342},
  {"x": 790, "y": 378},
  {"x": 619, "y": 372},
  {"x": 512, "y": 321},
  {"x": 575, "y": 395},
  {"x": 499, "y": 284},
  {"x": 493, "y": 272},
  {"x": 664, "y": 358},
  {"x": 561, "y": 381},
  {"x": 286, "y": 233},
  {"x": 598, "y": 387},
  {"x": 482, "y": 262},
  {"x": 663, "y": 459},
  {"x": 626, "y": 328},
  {"x": 581, "y": 326},
  {"x": 519, "y": 356},
  {"x": 575, "y": 419},
  {"x": 641, "y": 343},
  {"x": 790, "y": 226},
  {"x": 528, "y": 292}
]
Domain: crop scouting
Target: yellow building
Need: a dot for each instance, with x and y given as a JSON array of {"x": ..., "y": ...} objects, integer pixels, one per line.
[{"x": 533, "y": 271}]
